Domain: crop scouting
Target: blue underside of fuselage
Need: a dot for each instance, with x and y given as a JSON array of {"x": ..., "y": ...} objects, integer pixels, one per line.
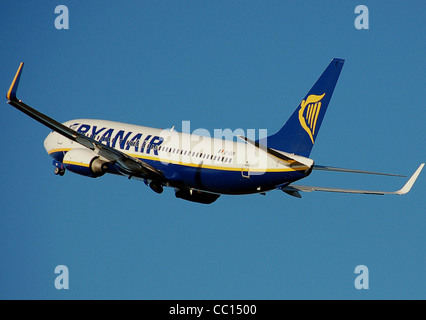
[{"x": 215, "y": 180}]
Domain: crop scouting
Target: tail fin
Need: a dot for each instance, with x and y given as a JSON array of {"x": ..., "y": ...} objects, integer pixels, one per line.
[{"x": 300, "y": 131}]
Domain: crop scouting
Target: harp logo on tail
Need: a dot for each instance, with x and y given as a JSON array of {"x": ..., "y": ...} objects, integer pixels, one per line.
[{"x": 308, "y": 113}]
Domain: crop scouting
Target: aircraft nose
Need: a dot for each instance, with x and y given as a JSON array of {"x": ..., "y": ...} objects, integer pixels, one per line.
[{"x": 48, "y": 142}]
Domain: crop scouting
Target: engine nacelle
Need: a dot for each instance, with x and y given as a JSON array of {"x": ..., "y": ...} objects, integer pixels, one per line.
[{"x": 85, "y": 162}]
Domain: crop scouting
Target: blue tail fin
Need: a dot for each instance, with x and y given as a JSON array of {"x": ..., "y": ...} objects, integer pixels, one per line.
[{"x": 299, "y": 133}]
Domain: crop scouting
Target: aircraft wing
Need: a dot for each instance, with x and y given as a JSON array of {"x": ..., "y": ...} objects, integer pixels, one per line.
[
  {"x": 129, "y": 164},
  {"x": 293, "y": 189}
]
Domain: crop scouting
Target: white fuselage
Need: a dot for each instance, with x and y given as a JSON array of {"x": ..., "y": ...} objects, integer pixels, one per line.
[{"x": 179, "y": 154}]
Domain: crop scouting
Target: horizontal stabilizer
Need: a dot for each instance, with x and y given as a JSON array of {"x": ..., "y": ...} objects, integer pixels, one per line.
[
  {"x": 292, "y": 189},
  {"x": 327, "y": 168}
]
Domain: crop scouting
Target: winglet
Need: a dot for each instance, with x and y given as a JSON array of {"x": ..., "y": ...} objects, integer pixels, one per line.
[
  {"x": 11, "y": 94},
  {"x": 407, "y": 187}
]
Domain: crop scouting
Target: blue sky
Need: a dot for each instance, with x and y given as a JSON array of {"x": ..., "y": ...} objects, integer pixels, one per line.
[{"x": 219, "y": 64}]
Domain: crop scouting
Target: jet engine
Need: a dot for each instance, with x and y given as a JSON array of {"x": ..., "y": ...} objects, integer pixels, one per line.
[
  {"x": 85, "y": 162},
  {"x": 196, "y": 196}
]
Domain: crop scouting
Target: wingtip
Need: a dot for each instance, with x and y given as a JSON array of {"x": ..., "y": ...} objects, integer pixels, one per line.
[
  {"x": 11, "y": 93},
  {"x": 407, "y": 187}
]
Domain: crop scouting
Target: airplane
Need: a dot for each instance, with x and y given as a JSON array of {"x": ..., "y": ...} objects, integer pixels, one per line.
[{"x": 199, "y": 168}]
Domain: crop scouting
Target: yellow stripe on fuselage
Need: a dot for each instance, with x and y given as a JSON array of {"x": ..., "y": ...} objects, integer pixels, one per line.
[
  {"x": 59, "y": 150},
  {"x": 77, "y": 164},
  {"x": 195, "y": 165}
]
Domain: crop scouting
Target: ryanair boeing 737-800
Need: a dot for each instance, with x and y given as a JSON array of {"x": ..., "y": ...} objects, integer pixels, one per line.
[{"x": 199, "y": 168}]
